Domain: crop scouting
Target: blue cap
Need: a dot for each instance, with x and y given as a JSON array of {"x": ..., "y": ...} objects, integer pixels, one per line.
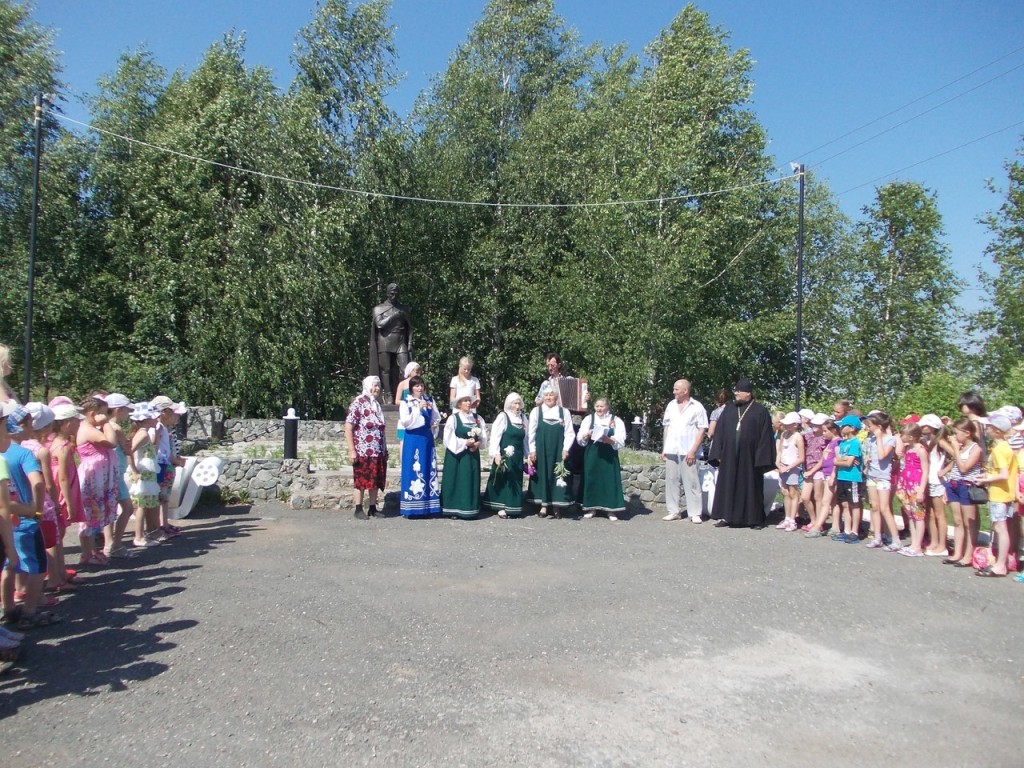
[
  {"x": 849, "y": 421},
  {"x": 14, "y": 419}
]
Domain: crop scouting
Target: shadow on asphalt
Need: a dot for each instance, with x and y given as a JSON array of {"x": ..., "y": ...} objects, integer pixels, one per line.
[{"x": 98, "y": 645}]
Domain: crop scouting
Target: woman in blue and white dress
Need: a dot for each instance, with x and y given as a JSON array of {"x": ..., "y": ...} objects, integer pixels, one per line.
[{"x": 421, "y": 491}]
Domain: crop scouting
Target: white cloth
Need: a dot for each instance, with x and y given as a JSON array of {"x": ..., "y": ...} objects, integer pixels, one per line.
[
  {"x": 552, "y": 383},
  {"x": 684, "y": 427},
  {"x": 458, "y": 444},
  {"x": 470, "y": 386},
  {"x": 550, "y": 415},
  {"x": 501, "y": 423},
  {"x": 411, "y": 417},
  {"x": 593, "y": 423},
  {"x": 161, "y": 438}
]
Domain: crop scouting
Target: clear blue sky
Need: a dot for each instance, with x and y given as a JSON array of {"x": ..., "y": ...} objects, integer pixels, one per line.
[{"x": 822, "y": 70}]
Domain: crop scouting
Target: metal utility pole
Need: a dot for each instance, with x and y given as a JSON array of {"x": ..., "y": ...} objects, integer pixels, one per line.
[
  {"x": 800, "y": 289},
  {"x": 27, "y": 367}
]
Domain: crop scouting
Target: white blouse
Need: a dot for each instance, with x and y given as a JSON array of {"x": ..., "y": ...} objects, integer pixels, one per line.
[
  {"x": 594, "y": 423},
  {"x": 550, "y": 415},
  {"x": 470, "y": 386},
  {"x": 458, "y": 444},
  {"x": 411, "y": 417},
  {"x": 501, "y": 423}
]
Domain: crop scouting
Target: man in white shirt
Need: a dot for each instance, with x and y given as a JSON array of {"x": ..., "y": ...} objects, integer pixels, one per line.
[{"x": 685, "y": 423}]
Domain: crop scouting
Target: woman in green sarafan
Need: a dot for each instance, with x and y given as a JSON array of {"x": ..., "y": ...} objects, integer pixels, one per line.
[
  {"x": 508, "y": 448},
  {"x": 550, "y": 437},
  {"x": 602, "y": 436},
  {"x": 464, "y": 433}
]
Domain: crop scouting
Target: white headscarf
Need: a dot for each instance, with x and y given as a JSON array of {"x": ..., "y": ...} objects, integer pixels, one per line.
[
  {"x": 410, "y": 368},
  {"x": 368, "y": 383},
  {"x": 513, "y": 418}
]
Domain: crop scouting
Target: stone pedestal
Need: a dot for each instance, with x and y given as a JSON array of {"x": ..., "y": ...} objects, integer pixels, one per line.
[{"x": 390, "y": 423}]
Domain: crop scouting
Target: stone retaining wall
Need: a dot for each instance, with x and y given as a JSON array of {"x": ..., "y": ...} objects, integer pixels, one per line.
[
  {"x": 266, "y": 478},
  {"x": 207, "y": 423},
  {"x": 644, "y": 485}
]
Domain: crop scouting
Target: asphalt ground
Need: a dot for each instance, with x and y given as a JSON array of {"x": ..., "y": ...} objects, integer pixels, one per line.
[{"x": 265, "y": 636}]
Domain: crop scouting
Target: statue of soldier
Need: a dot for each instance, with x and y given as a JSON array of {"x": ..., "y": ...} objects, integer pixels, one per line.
[{"x": 390, "y": 342}]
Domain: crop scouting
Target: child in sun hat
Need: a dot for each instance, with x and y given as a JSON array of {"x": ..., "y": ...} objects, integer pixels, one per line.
[
  {"x": 64, "y": 466},
  {"x": 1001, "y": 479},
  {"x": 814, "y": 478},
  {"x": 119, "y": 406},
  {"x": 790, "y": 452},
  {"x": 57, "y": 579},
  {"x": 145, "y": 487},
  {"x": 167, "y": 455},
  {"x": 26, "y": 480},
  {"x": 97, "y": 476},
  {"x": 849, "y": 475},
  {"x": 933, "y": 431},
  {"x": 912, "y": 488}
]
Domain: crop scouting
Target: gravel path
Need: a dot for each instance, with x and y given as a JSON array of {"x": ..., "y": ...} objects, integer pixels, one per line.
[{"x": 273, "y": 637}]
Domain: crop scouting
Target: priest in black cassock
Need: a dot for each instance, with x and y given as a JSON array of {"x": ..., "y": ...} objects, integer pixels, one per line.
[{"x": 743, "y": 450}]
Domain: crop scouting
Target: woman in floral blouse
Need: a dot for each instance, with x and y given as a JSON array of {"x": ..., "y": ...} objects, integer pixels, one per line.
[{"x": 367, "y": 447}]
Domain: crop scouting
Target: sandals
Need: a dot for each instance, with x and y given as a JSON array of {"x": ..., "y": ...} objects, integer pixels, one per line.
[
  {"x": 64, "y": 586},
  {"x": 121, "y": 552},
  {"x": 94, "y": 558},
  {"x": 37, "y": 620},
  {"x": 988, "y": 573}
]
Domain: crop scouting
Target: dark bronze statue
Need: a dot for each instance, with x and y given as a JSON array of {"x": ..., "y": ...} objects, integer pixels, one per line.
[{"x": 390, "y": 343}]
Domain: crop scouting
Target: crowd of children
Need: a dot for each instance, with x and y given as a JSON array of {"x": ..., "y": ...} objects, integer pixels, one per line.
[
  {"x": 908, "y": 473},
  {"x": 64, "y": 465}
]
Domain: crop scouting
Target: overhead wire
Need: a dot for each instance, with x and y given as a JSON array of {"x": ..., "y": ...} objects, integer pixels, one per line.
[
  {"x": 933, "y": 157},
  {"x": 429, "y": 200},
  {"x": 912, "y": 102},
  {"x": 915, "y": 117}
]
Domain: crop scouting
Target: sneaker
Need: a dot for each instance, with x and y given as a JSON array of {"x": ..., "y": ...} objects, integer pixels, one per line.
[
  {"x": 893, "y": 547},
  {"x": 874, "y": 544},
  {"x": 673, "y": 516},
  {"x": 10, "y": 634},
  {"x": 814, "y": 533},
  {"x": 908, "y": 552},
  {"x": 840, "y": 537},
  {"x": 696, "y": 519},
  {"x": 852, "y": 538},
  {"x": 783, "y": 525}
]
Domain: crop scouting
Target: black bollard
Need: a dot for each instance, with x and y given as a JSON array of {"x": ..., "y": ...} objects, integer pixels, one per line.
[
  {"x": 291, "y": 435},
  {"x": 634, "y": 433}
]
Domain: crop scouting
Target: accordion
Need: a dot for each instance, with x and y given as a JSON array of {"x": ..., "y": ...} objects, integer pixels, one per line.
[{"x": 573, "y": 393}]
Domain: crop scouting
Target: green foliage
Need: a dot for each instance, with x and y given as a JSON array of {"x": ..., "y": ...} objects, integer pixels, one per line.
[
  {"x": 904, "y": 297},
  {"x": 1012, "y": 390},
  {"x": 937, "y": 392},
  {"x": 161, "y": 273},
  {"x": 1002, "y": 321}
]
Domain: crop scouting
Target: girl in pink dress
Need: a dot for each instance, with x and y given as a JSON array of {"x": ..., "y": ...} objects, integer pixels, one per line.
[
  {"x": 97, "y": 477},
  {"x": 912, "y": 486}
]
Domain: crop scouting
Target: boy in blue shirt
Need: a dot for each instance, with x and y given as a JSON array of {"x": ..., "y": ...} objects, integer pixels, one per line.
[
  {"x": 26, "y": 478},
  {"x": 849, "y": 475}
]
